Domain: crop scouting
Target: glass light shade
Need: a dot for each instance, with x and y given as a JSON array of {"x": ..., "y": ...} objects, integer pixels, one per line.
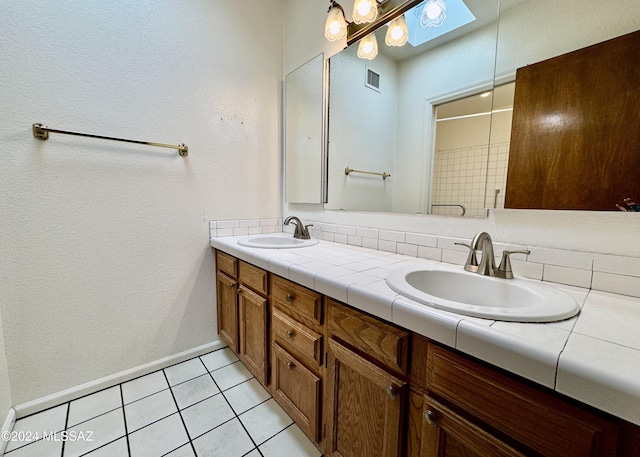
[
  {"x": 365, "y": 11},
  {"x": 368, "y": 47},
  {"x": 336, "y": 27},
  {"x": 433, "y": 14},
  {"x": 398, "y": 32}
]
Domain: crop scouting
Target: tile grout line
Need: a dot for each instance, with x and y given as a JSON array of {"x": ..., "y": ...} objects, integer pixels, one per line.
[
  {"x": 180, "y": 414},
  {"x": 66, "y": 424},
  {"x": 124, "y": 418},
  {"x": 233, "y": 410}
]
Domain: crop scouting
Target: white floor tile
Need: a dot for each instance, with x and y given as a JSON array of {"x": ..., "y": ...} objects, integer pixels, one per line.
[
  {"x": 184, "y": 451},
  {"x": 292, "y": 441},
  {"x": 40, "y": 448},
  {"x": 118, "y": 448},
  {"x": 88, "y": 407},
  {"x": 228, "y": 440},
  {"x": 149, "y": 409},
  {"x": 105, "y": 428},
  {"x": 51, "y": 420},
  {"x": 184, "y": 371},
  {"x": 195, "y": 390},
  {"x": 158, "y": 438},
  {"x": 205, "y": 416},
  {"x": 231, "y": 375},
  {"x": 219, "y": 359},
  {"x": 246, "y": 395},
  {"x": 143, "y": 387},
  {"x": 265, "y": 420}
]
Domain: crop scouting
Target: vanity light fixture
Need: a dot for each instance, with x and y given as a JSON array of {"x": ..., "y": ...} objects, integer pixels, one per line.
[
  {"x": 336, "y": 26},
  {"x": 433, "y": 14},
  {"x": 365, "y": 11},
  {"x": 368, "y": 47},
  {"x": 398, "y": 32}
]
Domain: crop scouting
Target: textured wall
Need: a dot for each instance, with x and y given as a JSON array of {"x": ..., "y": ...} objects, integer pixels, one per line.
[{"x": 105, "y": 262}]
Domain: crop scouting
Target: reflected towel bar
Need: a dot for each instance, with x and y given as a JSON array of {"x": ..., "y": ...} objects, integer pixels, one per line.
[
  {"x": 350, "y": 170},
  {"x": 41, "y": 132},
  {"x": 464, "y": 210}
]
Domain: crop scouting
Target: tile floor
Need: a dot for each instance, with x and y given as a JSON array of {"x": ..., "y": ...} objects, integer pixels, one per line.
[{"x": 207, "y": 406}]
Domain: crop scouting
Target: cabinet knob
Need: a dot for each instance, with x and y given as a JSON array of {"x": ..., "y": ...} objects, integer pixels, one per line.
[
  {"x": 391, "y": 392},
  {"x": 430, "y": 417},
  {"x": 290, "y": 365},
  {"x": 289, "y": 298},
  {"x": 288, "y": 334},
  {"x": 239, "y": 291}
]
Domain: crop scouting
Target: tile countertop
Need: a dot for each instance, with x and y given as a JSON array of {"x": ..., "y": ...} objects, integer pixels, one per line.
[{"x": 593, "y": 357}]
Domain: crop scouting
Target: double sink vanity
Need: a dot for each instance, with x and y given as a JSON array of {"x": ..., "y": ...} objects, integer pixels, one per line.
[{"x": 379, "y": 354}]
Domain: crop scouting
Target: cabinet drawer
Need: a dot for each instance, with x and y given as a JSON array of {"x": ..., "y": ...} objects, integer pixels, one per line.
[
  {"x": 227, "y": 264},
  {"x": 297, "y": 390},
  {"x": 299, "y": 299},
  {"x": 252, "y": 277},
  {"x": 383, "y": 342},
  {"x": 291, "y": 334},
  {"x": 531, "y": 416}
]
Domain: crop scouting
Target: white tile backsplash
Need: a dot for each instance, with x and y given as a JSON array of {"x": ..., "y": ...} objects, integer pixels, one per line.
[{"x": 617, "y": 274}]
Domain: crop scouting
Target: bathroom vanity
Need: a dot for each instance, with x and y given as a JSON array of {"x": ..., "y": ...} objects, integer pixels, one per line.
[{"x": 357, "y": 384}]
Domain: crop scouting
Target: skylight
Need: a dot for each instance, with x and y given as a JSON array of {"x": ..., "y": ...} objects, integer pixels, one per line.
[{"x": 457, "y": 15}]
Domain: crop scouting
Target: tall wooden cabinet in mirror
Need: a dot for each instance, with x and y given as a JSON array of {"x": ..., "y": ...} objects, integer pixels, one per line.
[{"x": 575, "y": 142}]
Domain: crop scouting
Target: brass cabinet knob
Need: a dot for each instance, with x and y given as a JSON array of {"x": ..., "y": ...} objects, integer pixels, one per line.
[
  {"x": 289, "y": 298},
  {"x": 290, "y": 365},
  {"x": 430, "y": 417},
  {"x": 288, "y": 334},
  {"x": 391, "y": 392}
]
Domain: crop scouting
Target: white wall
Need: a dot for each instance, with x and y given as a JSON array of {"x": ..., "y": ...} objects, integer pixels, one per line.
[
  {"x": 525, "y": 37},
  {"x": 354, "y": 139},
  {"x": 105, "y": 257}
]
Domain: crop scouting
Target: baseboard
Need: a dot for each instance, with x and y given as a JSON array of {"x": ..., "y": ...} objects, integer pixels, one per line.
[
  {"x": 73, "y": 393},
  {"x": 7, "y": 427}
]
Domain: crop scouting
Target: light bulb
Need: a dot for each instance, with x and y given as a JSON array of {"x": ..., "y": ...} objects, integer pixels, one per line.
[
  {"x": 397, "y": 33},
  {"x": 336, "y": 26},
  {"x": 365, "y": 11},
  {"x": 368, "y": 47},
  {"x": 433, "y": 14}
]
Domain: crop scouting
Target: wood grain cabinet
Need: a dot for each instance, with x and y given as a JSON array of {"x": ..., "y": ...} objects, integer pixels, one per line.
[
  {"x": 364, "y": 398},
  {"x": 297, "y": 353},
  {"x": 243, "y": 312},
  {"x": 360, "y": 386},
  {"x": 227, "y": 299},
  {"x": 474, "y": 407}
]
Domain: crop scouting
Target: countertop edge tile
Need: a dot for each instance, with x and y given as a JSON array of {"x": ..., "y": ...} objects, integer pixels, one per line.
[
  {"x": 508, "y": 352},
  {"x": 435, "y": 324},
  {"x": 589, "y": 371}
]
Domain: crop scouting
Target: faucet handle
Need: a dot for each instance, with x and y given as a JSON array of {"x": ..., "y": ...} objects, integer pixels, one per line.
[
  {"x": 305, "y": 232},
  {"x": 472, "y": 261},
  {"x": 505, "y": 264}
]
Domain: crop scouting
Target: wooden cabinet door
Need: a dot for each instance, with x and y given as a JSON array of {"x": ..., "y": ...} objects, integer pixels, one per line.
[
  {"x": 227, "y": 310},
  {"x": 364, "y": 406},
  {"x": 297, "y": 390},
  {"x": 253, "y": 321},
  {"x": 446, "y": 434}
]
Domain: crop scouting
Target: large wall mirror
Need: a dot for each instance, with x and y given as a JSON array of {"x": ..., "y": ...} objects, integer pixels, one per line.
[{"x": 436, "y": 117}]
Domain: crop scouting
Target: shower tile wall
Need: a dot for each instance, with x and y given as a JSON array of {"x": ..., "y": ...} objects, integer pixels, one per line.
[{"x": 462, "y": 175}]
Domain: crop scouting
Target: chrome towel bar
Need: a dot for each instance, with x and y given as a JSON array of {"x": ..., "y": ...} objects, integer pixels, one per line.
[
  {"x": 462, "y": 207},
  {"x": 41, "y": 132},
  {"x": 350, "y": 170}
]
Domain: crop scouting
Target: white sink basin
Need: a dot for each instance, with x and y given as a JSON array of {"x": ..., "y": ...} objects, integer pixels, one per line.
[
  {"x": 275, "y": 241},
  {"x": 475, "y": 295}
]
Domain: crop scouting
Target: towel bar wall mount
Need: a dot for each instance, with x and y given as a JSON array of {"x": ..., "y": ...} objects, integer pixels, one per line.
[{"x": 41, "y": 132}]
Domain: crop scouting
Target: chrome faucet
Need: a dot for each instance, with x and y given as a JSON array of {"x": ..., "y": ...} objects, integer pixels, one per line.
[
  {"x": 301, "y": 231},
  {"x": 487, "y": 267}
]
